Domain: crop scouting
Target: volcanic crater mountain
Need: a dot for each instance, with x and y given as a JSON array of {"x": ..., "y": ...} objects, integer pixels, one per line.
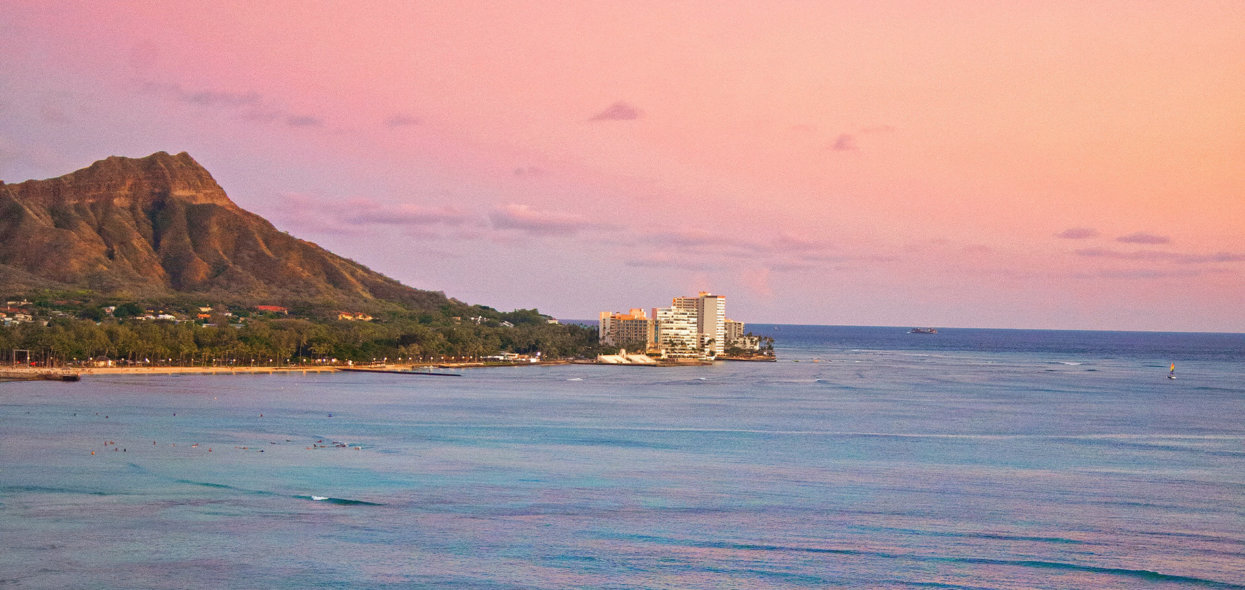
[{"x": 160, "y": 226}]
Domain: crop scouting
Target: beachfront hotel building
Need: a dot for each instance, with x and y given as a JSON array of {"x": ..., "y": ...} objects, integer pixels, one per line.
[
  {"x": 626, "y": 329},
  {"x": 691, "y": 328},
  {"x": 710, "y": 313},
  {"x": 733, "y": 330},
  {"x": 711, "y": 320},
  {"x": 677, "y": 333}
]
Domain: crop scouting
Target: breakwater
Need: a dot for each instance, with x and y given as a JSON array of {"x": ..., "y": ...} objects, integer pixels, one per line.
[{"x": 22, "y": 374}]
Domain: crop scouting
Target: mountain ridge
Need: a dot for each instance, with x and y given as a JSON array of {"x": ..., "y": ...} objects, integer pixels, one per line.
[{"x": 161, "y": 225}]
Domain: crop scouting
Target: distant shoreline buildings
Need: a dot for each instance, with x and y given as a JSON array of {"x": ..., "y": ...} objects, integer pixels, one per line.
[{"x": 692, "y": 328}]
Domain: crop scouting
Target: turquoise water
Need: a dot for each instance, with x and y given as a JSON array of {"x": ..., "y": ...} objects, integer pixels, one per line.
[{"x": 969, "y": 459}]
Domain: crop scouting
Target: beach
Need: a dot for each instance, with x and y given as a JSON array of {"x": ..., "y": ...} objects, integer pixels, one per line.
[{"x": 35, "y": 372}]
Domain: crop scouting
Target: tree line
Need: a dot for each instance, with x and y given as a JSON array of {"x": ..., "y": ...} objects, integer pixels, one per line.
[{"x": 276, "y": 340}]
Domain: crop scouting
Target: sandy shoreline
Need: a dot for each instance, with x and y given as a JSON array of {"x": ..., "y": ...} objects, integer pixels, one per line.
[
  {"x": 199, "y": 370},
  {"x": 54, "y": 373},
  {"x": 34, "y": 372}
]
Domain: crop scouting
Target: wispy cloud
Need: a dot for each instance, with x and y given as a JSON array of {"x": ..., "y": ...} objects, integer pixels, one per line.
[
  {"x": 204, "y": 98},
  {"x": 249, "y": 105},
  {"x": 530, "y": 171},
  {"x": 672, "y": 261},
  {"x": 303, "y": 121},
  {"x": 319, "y": 215},
  {"x": 688, "y": 238},
  {"x": 792, "y": 266},
  {"x": 703, "y": 243},
  {"x": 1078, "y": 233},
  {"x": 304, "y": 213},
  {"x": 839, "y": 259},
  {"x": 1143, "y": 238},
  {"x": 1145, "y": 273},
  {"x": 537, "y": 222},
  {"x": 701, "y": 249},
  {"x": 369, "y": 212},
  {"x": 619, "y": 111},
  {"x": 845, "y": 142},
  {"x": 211, "y": 98},
  {"x": 848, "y": 141},
  {"x": 402, "y": 120},
  {"x": 1160, "y": 256},
  {"x": 786, "y": 242}
]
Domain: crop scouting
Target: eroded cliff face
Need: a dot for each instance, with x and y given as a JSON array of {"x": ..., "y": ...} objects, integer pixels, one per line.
[
  {"x": 123, "y": 181},
  {"x": 161, "y": 224}
]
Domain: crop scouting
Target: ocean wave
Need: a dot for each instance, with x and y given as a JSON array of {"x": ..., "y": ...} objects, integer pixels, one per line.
[
  {"x": 982, "y": 535},
  {"x": 325, "y": 499},
  {"x": 337, "y": 501},
  {"x": 34, "y": 489},
  {"x": 1136, "y": 574}
]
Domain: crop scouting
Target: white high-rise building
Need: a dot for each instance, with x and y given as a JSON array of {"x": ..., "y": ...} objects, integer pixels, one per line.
[
  {"x": 710, "y": 314},
  {"x": 711, "y": 321},
  {"x": 677, "y": 333}
]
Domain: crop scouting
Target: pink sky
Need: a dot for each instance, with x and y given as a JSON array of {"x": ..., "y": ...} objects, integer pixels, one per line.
[{"x": 984, "y": 164}]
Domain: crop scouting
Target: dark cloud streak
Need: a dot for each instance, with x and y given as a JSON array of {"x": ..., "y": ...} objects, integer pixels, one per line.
[
  {"x": 1143, "y": 238},
  {"x": 250, "y": 105},
  {"x": 407, "y": 215},
  {"x": 401, "y": 120},
  {"x": 1077, "y": 233},
  {"x": 619, "y": 111},
  {"x": 303, "y": 121},
  {"x": 845, "y": 142},
  {"x": 536, "y": 222},
  {"x": 1158, "y": 256}
]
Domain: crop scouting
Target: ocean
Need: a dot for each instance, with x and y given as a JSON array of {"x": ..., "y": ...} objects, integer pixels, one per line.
[{"x": 864, "y": 458}]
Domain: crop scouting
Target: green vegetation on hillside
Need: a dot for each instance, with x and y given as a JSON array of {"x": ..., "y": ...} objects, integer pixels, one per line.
[{"x": 81, "y": 326}]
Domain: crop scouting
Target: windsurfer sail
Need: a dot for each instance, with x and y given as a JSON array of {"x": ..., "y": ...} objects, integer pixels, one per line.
[{"x": 1172, "y": 373}]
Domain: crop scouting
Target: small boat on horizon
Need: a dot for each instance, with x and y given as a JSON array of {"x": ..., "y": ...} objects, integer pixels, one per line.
[{"x": 923, "y": 331}]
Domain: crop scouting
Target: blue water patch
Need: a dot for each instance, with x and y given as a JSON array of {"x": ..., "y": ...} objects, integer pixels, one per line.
[{"x": 966, "y": 459}]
